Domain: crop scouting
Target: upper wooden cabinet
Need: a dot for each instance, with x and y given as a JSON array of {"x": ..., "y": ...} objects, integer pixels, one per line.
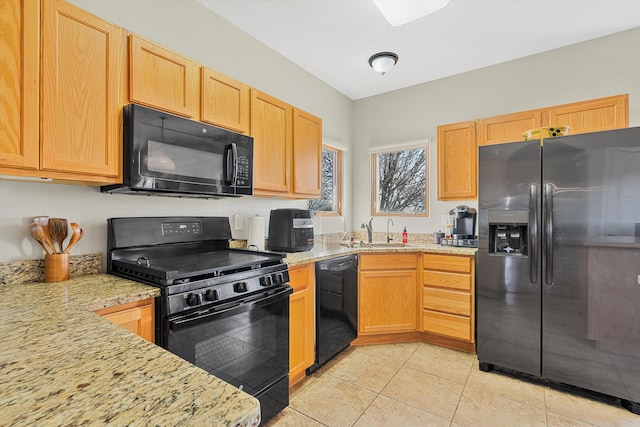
[
  {"x": 271, "y": 128},
  {"x": 19, "y": 56},
  {"x": 457, "y": 161},
  {"x": 590, "y": 116},
  {"x": 508, "y": 127},
  {"x": 307, "y": 152},
  {"x": 162, "y": 79},
  {"x": 225, "y": 102},
  {"x": 83, "y": 69},
  {"x": 74, "y": 132}
]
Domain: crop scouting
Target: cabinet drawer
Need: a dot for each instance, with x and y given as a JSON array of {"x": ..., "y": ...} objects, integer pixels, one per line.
[
  {"x": 447, "y": 280},
  {"x": 454, "y": 302},
  {"x": 388, "y": 261},
  {"x": 449, "y": 325},
  {"x": 300, "y": 277},
  {"x": 459, "y": 264}
]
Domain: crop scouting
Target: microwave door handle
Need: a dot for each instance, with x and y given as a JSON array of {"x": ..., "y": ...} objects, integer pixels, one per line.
[{"x": 231, "y": 164}]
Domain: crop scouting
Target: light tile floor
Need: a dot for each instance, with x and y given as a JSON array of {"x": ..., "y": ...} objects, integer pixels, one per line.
[{"x": 418, "y": 384}]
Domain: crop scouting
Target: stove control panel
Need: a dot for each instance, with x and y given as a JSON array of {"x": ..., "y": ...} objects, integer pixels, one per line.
[{"x": 220, "y": 289}]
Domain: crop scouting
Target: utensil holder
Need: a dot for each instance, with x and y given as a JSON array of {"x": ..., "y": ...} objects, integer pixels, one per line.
[{"x": 56, "y": 268}]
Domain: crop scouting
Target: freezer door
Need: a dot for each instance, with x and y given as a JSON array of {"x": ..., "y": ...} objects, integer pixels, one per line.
[
  {"x": 508, "y": 269},
  {"x": 591, "y": 262}
]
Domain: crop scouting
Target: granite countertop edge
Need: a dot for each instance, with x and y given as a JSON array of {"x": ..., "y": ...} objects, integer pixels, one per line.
[
  {"x": 63, "y": 364},
  {"x": 327, "y": 251}
]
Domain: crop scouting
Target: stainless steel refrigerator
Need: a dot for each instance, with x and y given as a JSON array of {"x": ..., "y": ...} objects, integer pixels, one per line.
[{"x": 558, "y": 264}]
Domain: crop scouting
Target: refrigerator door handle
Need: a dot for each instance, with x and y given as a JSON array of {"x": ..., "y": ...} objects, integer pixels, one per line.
[
  {"x": 533, "y": 233},
  {"x": 548, "y": 195}
]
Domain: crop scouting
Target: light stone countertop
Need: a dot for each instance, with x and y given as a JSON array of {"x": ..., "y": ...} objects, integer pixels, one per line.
[
  {"x": 62, "y": 364},
  {"x": 326, "y": 251}
]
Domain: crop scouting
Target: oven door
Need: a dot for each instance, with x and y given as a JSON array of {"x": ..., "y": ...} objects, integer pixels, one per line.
[{"x": 245, "y": 343}]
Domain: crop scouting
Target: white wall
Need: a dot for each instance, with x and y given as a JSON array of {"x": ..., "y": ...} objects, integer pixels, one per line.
[
  {"x": 192, "y": 30},
  {"x": 599, "y": 68}
]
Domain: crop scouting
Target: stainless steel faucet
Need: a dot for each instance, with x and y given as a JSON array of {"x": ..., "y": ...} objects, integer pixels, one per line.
[
  {"x": 389, "y": 238},
  {"x": 369, "y": 228}
]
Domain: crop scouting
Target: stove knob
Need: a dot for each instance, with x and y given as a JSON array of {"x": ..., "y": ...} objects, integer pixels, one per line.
[
  {"x": 194, "y": 299},
  {"x": 265, "y": 281},
  {"x": 240, "y": 287},
  {"x": 285, "y": 277},
  {"x": 277, "y": 278},
  {"x": 211, "y": 295}
]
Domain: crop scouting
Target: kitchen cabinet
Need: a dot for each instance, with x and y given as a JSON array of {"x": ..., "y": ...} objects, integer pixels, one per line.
[
  {"x": 136, "y": 317},
  {"x": 272, "y": 132},
  {"x": 387, "y": 293},
  {"x": 225, "y": 102},
  {"x": 81, "y": 79},
  {"x": 590, "y": 116},
  {"x": 19, "y": 109},
  {"x": 307, "y": 152},
  {"x": 457, "y": 161},
  {"x": 508, "y": 127},
  {"x": 448, "y": 296},
  {"x": 287, "y": 142},
  {"x": 301, "y": 321},
  {"x": 162, "y": 79}
]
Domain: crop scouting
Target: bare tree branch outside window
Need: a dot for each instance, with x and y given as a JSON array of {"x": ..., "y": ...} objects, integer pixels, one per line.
[
  {"x": 329, "y": 198},
  {"x": 401, "y": 182}
]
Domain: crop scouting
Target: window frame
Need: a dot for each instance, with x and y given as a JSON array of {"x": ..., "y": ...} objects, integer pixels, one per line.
[
  {"x": 373, "y": 173},
  {"x": 339, "y": 155}
]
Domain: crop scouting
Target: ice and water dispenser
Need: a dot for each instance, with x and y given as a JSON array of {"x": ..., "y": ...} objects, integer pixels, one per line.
[{"x": 508, "y": 232}]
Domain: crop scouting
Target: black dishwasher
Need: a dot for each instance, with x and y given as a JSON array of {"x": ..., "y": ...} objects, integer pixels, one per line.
[{"x": 336, "y": 307}]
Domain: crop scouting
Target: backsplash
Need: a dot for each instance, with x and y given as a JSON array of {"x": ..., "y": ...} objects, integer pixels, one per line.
[{"x": 18, "y": 272}]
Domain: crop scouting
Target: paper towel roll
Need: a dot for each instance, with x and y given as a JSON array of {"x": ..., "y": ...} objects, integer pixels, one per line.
[{"x": 256, "y": 233}]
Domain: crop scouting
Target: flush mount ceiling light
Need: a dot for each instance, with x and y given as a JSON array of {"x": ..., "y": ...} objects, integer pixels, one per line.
[
  {"x": 401, "y": 12},
  {"x": 383, "y": 61}
]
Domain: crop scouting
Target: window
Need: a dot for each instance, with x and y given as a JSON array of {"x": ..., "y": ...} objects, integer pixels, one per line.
[
  {"x": 330, "y": 201},
  {"x": 399, "y": 185}
]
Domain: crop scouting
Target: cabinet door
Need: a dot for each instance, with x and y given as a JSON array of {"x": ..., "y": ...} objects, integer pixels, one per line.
[
  {"x": 457, "y": 161},
  {"x": 19, "y": 109},
  {"x": 307, "y": 152},
  {"x": 271, "y": 128},
  {"x": 301, "y": 321},
  {"x": 590, "y": 116},
  {"x": 387, "y": 301},
  {"x": 225, "y": 102},
  {"x": 162, "y": 79},
  {"x": 136, "y": 317},
  {"x": 508, "y": 127},
  {"x": 82, "y": 93}
]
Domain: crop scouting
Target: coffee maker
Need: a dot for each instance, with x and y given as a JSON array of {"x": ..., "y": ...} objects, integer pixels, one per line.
[{"x": 463, "y": 227}]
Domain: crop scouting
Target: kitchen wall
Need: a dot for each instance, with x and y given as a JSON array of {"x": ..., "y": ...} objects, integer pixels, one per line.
[
  {"x": 192, "y": 30},
  {"x": 594, "y": 69}
]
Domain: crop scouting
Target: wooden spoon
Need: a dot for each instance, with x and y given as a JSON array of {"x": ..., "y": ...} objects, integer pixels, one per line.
[
  {"x": 58, "y": 228},
  {"x": 43, "y": 221},
  {"x": 37, "y": 233},
  {"x": 77, "y": 235}
]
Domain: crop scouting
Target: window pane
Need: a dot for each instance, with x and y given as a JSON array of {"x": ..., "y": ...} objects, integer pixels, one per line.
[
  {"x": 401, "y": 179},
  {"x": 328, "y": 201}
]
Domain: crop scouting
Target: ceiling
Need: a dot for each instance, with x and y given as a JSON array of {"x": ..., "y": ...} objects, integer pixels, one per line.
[{"x": 333, "y": 39}]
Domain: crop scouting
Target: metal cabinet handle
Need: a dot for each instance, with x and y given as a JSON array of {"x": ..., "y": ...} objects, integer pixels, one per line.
[
  {"x": 548, "y": 195},
  {"x": 533, "y": 233}
]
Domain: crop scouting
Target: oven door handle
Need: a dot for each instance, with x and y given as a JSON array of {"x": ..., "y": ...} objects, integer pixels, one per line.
[{"x": 227, "y": 310}]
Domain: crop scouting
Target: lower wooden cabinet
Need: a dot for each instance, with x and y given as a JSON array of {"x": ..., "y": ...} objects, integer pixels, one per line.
[
  {"x": 448, "y": 296},
  {"x": 301, "y": 321},
  {"x": 137, "y": 317},
  {"x": 387, "y": 293}
]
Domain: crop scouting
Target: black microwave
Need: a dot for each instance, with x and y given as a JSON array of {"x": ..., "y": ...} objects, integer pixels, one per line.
[{"x": 167, "y": 155}]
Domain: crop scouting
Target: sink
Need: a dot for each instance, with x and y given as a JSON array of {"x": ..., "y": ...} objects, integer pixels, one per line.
[{"x": 381, "y": 245}]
